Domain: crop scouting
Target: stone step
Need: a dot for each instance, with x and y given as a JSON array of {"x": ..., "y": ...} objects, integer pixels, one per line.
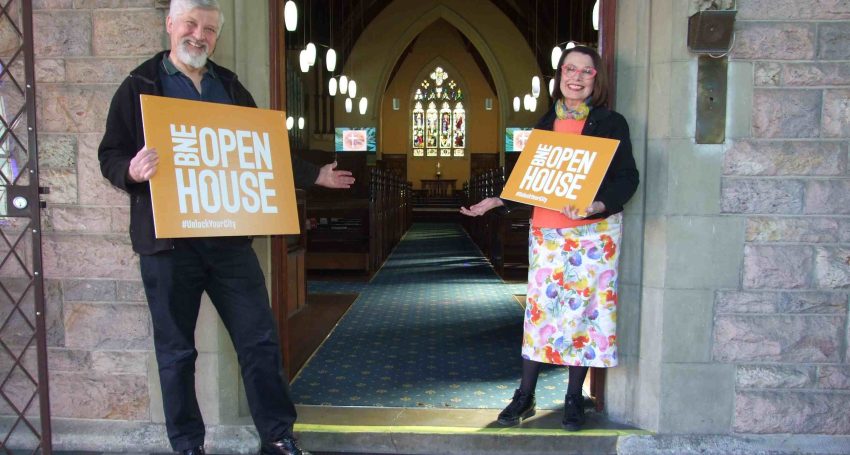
[{"x": 337, "y": 430}]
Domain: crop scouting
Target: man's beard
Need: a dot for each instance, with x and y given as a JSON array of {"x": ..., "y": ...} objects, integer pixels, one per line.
[{"x": 190, "y": 59}]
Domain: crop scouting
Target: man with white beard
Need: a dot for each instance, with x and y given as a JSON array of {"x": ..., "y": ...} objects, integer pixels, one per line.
[{"x": 175, "y": 272}]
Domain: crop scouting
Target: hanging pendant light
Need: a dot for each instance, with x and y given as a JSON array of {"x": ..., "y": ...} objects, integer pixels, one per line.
[
  {"x": 290, "y": 16},
  {"x": 352, "y": 88},
  {"x": 556, "y": 56},
  {"x": 330, "y": 56},
  {"x": 311, "y": 53},
  {"x": 526, "y": 101},
  {"x": 330, "y": 60},
  {"x": 596, "y": 15},
  {"x": 551, "y": 87},
  {"x": 535, "y": 86},
  {"x": 348, "y": 105},
  {"x": 302, "y": 60},
  {"x": 332, "y": 86},
  {"x": 363, "y": 104},
  {"x": 532, "y": 103},
  {"x": 300, "y": 123},
  {"x": 516, "y": 104},
  {"x": 343, "y": 84},
  {"x": 289, "y": 122}
]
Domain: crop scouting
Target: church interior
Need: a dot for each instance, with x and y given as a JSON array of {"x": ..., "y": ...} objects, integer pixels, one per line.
[{"x": 411, "y": 305}]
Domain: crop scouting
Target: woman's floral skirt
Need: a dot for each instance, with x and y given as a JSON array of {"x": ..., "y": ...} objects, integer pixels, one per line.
[{"x": 571, "y": 310}]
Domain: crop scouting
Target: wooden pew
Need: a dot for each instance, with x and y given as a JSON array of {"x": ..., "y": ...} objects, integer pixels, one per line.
[
  {"x": 356, "y": 229},
  {"x": 338, "y": 236},
  {"x": 503, "y": 238}
]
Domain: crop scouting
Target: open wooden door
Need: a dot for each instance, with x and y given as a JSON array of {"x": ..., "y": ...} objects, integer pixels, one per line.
[
  {"x": 607, "y": 21},
  {"x": 288, "y": 274}
]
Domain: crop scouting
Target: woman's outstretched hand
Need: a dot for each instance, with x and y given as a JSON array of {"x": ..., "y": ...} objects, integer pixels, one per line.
[{"x": 482, "y": 207}]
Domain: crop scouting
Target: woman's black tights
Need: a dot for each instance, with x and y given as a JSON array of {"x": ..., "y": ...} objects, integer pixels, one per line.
[
  {"x": 531, "y": 370},
  {"x": 577, "y": 375}
]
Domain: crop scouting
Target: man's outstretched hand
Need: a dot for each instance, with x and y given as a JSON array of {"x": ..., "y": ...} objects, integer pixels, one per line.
[{"x": 329, "y": 177}]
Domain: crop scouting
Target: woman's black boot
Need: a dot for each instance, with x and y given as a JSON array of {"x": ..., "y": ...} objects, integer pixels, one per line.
[
  {"x": 573, "y": 412},
  {"x": 521, "y": 407}
]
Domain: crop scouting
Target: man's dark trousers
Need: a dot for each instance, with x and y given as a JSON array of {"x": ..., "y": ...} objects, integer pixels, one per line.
[{"x": 228, "y": 270}]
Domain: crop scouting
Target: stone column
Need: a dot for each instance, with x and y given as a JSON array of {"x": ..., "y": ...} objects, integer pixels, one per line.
[{"x": 684, "y": 247}]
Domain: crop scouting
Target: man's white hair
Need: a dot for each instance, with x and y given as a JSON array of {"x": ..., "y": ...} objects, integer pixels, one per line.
[{"x": 179, "y": 7}]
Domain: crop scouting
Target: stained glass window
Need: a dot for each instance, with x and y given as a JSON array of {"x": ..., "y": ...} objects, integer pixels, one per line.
[
  {"x": 439, "y": 129},
  {"x": 431, "y": 130},
  {"x": 418, "y": 130}
]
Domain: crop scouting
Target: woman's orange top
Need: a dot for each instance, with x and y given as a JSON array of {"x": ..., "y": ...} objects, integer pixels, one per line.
[{"x": 545, "y": 218}]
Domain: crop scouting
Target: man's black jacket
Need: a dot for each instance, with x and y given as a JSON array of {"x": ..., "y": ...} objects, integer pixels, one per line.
[{"x": 124, "y": 137}]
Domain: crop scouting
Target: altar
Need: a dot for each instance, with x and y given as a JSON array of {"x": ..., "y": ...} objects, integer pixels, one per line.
[{"x": 438, "y": 187}]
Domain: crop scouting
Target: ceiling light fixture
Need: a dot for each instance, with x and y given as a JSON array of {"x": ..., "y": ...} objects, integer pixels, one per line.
[
  {"x": 595, "y": 16},
  {"x": 290, "y": 16}
]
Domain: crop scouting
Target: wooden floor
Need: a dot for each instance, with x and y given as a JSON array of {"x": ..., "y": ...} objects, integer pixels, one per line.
[{"x": 313, "y": 324}]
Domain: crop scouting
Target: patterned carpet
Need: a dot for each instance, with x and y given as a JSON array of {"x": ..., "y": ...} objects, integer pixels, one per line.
[
  {"x": 334, "y": 287},
  {"x": 434, "y": 328}
]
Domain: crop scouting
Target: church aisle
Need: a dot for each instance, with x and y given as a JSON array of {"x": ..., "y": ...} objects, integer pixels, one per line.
[{"x": 435, "y": 328}]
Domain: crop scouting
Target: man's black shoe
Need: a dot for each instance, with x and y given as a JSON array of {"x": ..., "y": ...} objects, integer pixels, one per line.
[
  {"x": 521, "y": 407},
  {"x": 573, "y": 412},
  {"x": 285, "y": 446},
  {"x": 194, "y": 451}
]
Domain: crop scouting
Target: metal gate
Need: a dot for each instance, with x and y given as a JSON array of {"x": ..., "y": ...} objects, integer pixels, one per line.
[{"x": 24, "y": 402}]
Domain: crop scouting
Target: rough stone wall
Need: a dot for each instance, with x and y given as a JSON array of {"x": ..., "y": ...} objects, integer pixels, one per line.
[
  {"x": 785, "y": 329},
  {"x": 101, "y": 341}
]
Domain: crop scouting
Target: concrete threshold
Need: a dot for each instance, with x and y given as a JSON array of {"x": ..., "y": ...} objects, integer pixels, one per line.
[
  {"x": 414, "y": 431},
  {"x": 419, "y": 431}
]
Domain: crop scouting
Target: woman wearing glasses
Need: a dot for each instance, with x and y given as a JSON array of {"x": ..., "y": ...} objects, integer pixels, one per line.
[{"x": 570, "y": 316}]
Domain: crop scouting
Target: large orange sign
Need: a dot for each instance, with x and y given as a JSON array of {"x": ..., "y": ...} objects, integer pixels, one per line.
[
  {"x": 223, "y": 170},
  {"x": 555, "y": 170}
]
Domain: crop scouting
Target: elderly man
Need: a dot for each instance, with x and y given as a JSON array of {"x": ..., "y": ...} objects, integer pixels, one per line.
[{"x": 175, "y": 272}]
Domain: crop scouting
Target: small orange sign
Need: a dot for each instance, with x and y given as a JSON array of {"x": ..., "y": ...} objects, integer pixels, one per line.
[
  {"x": 556, "y": 170},
  {"x": 223, "y": 170}
]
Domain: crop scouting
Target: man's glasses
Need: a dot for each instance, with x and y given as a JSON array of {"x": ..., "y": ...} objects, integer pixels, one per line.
[{"x": 587, "y": 71}]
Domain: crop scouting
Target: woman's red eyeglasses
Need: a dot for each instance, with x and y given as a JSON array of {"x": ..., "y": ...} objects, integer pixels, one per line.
[{"x": 587, "y": 71}]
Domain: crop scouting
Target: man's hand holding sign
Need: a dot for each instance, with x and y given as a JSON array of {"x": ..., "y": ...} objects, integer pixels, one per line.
[
  {"x": 143, "y": 165},
  {"x": 561, "y": 172}
]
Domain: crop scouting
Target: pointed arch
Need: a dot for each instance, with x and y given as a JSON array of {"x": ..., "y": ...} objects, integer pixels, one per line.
[{"x": 502, "y": 48}]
